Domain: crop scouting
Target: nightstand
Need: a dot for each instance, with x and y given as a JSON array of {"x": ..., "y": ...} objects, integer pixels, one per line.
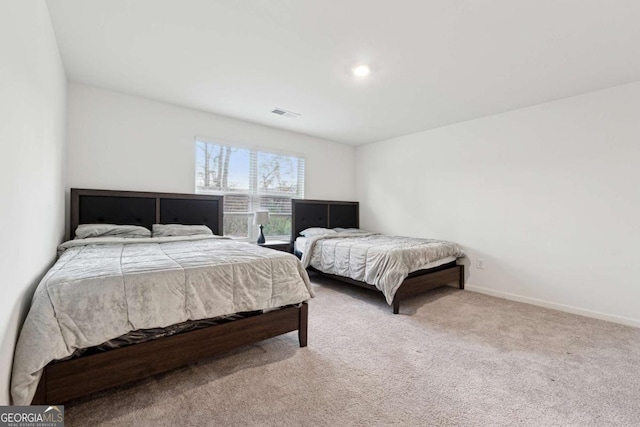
[{"x": 278, "y": 245}]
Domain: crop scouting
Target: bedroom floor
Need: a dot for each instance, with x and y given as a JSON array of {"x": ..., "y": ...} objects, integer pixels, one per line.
[{"x": 451, "y": 358}]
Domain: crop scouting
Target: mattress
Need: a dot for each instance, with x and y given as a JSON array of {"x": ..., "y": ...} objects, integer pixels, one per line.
[{"x": 301, "y": 242}]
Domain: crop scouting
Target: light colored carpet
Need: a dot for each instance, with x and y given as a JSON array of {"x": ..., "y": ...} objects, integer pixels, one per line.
[{"x": 450, "y": 358}]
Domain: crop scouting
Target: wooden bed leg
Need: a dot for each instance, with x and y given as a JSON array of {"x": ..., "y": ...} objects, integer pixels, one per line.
[
  {"x": 396, "y": 306},
  {"x": 461, "y": 280},
  {"x": 302, "y": 326}
]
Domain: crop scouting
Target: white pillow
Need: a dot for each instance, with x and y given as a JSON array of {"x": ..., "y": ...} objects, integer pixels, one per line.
[
  {"x": 111, "y": 230},
  {"x": 316, "y": 231},
  {"x": 165, "y": 230}
]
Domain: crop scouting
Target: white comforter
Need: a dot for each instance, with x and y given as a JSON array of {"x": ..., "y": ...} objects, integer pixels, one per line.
[
  {"x": 100, "y": 289},
  {"x": 377, "y": 259}
]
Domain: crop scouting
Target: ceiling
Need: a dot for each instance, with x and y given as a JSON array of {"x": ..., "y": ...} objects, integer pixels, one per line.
[{"x": 434, "y": 62}]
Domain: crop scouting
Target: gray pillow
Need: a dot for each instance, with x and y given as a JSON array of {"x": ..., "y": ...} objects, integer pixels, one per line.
[
  {"x": 316, "y": 231},
  {"x": 342, "y": 230},
  {"x": 111, "y": 230},
  {"x": 166, "y": 230}
]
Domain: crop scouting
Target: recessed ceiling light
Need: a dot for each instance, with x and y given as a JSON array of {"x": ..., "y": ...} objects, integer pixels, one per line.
[{"x": 361, "y": 70}]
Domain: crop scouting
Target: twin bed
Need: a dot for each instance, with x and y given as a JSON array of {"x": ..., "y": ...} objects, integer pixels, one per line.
[
  {"x": 399, "y": 267},
  {"x": 117, "y": 309}
]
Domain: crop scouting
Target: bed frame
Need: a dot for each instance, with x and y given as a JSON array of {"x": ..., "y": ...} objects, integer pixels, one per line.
[
  {"x": 79, "y": 376},
  {"x": 332, "y": 214}
]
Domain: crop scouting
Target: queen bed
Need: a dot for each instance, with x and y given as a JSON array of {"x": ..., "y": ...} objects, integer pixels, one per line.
[
  {"x": 327, "y": 238},
  {"x": 117, "y": 309}
]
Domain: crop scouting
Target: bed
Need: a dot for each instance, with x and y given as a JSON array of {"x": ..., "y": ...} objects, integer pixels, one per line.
[
  {"x": 180, "y": 284},
  {"x": 437, "y": 263}
]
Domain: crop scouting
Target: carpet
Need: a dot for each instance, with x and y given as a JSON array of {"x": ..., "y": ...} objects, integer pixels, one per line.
[{"x": 451, "y": 358}]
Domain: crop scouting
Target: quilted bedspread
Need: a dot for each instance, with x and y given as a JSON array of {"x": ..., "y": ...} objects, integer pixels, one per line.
[
  {"x": 377, "y": 259},
  {"x": 100, "y": 289}
]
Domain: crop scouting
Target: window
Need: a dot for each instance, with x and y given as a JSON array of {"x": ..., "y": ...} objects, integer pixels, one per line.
[{"x": 251, "y": 180}]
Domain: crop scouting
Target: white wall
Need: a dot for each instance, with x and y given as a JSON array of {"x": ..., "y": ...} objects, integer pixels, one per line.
[
  {"x": 548, "y": 196},
  {"x": 32, "y": 178},
  {"x": 124, "y": 142}
]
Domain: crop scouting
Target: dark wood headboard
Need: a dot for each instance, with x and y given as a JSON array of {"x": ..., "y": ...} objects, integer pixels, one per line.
[
  {"x": 144, "y": 208},
  {"x": 323, "y": 213}
]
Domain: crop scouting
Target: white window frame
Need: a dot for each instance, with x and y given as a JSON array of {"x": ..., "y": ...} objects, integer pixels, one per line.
[{"x": 253, "y": 193}]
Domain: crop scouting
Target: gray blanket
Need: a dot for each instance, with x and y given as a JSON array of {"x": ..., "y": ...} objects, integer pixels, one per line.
[
  {"x": 377, "y": 259},
  {"x": 100, "y": 289}
]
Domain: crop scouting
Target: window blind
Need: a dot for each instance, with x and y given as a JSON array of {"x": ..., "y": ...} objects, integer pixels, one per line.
[{"x": 250, "y": 180}]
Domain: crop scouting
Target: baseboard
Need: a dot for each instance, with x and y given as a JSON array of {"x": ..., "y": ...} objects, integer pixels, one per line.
[{"x": 561, "y": 307}]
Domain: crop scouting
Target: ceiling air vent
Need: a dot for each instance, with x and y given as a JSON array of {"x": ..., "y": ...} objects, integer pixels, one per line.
[{"x": 285, "y": 113}]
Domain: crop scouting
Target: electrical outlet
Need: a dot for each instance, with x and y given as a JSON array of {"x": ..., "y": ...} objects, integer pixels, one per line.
[{"x": 480, "y": 264}]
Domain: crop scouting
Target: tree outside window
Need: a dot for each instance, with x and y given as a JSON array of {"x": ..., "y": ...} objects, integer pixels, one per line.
[{"x": 250, "y": 180}]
